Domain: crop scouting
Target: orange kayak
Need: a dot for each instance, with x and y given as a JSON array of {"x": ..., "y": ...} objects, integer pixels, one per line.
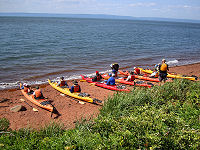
[{"x": 41, "y": 102}]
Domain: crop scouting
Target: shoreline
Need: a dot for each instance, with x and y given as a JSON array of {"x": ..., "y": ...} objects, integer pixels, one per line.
[
  {"x": 71, "y": 111},
  {"x": 123, "y": 68}
]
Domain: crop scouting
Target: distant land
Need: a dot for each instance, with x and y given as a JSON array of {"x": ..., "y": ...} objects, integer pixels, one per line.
[{"x": 98, "y": 16}]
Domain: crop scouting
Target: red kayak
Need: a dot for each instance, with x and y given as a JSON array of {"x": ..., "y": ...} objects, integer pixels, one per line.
[
  {"x": 103, "y": 85},
  {"x": 126, "y": 73},
  {"x": 105, "y": 76}
]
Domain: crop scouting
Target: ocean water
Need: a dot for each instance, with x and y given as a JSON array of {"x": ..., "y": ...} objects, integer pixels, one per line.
[{"x": 33, "y": 49}]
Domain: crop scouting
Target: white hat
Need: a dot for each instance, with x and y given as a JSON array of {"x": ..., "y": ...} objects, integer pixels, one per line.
[
  {"x": 25, "y": 84},
  {"x": 164, "y": 60}
]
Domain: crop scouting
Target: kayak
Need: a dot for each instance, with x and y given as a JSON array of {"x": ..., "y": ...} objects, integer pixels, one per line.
[
  {"x": 126, "y": 73},
  {"x": 105, "y": 76},
  {"x": 169, "y": 75},
  {"x": 104, "y": 85},
  {"x": 74, "y": 95},
  {"x": 39, "y": 102}
]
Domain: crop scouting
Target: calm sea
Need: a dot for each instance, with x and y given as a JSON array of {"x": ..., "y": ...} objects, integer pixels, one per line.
[{"x": 33, "y": 49}]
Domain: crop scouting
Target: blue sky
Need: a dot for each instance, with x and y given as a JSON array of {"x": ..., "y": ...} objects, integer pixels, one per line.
[{"x": 180, "y": 9}]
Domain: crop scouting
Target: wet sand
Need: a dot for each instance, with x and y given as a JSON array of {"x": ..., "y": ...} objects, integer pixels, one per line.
[{"x": 70, "y": 109}]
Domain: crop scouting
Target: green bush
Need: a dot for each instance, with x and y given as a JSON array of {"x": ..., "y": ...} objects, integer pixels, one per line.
[
  {"x": 163, "y": 117},
  {"x": 4, "y": 124}
]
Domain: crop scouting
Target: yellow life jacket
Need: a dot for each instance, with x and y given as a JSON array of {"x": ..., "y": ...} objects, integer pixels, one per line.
[{"x": 163, "y": 67}]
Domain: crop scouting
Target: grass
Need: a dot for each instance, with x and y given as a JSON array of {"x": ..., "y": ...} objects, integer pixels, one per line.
[{"x": 165, "y": 117}]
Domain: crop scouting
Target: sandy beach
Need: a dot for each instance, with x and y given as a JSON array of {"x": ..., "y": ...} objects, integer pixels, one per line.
[{"x": 70, "y": 109}]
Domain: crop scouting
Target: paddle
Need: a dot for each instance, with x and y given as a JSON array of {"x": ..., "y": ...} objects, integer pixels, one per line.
[
  {"x": 82, "y": 80},
  {"x": 34, "y": 109},
  {"x": 92, "y": 84}
]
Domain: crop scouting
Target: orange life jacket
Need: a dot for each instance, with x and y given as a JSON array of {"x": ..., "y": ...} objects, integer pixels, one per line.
[
  {"x": 163, "y": 67},
  {"x": 38, "y": 93},
  {"x": 76, "y": 88},
  {"x": 62, "y": 83},
  {"x": 26, "y": 89},
  {"x": 156, "y": 74}
]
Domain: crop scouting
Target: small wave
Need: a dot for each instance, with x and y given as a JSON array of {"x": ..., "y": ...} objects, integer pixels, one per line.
[
  {"x": 10, "y": 85},
  {"x": 172, "y": 62}
]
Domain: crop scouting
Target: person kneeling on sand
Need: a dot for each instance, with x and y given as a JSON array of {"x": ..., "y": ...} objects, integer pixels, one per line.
[
  {"x": 155, "y": 73},
  {"x": 163, "y": 68},
  {"x": 62, "y": 83},
  {"x": 111, "y": 80},
  {"x": 98, "y": 77},
  {"x": 137, "y": 71},
  {"x": 131, "y": 77},
  {"x": 38, "y": 93},
  {"x": 75, "y": 87},
  {"x": 26, "y": 88}
]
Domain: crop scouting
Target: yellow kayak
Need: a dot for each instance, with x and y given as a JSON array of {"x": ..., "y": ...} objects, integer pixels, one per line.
[
  {"x": 169, "y": 75},
  {"x": 75, "y": 94}
]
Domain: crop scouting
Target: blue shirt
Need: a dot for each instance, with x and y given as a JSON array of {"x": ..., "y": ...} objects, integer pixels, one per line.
[
  {"x": 111, "y": 81},
  {"x": 72, "y": 89}
]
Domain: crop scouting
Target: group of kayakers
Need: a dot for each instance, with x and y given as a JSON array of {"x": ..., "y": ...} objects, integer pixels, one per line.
[
  {"x": 37, "y": 93},
  {"x": 159, "y": 71}
]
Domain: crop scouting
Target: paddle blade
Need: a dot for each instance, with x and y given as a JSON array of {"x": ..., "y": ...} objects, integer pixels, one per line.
[
  {"x": 81, "y": 102},
  {"x": 22, "y": 99},
  {"x": 82, "y": 80},
  {"x": 62, "y": 94},
  {"x": 34, "y": 109},
  {"x": 92, "y": 84}
]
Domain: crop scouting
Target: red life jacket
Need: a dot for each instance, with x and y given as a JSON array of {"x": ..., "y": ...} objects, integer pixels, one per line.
[
  {"x": 132, "y": 77},
  {"x": 62, "y": 83},
  {"x": 98, "y": 77},
  {"x": 137, "y": 71},
  {"x": 38, "y": 93},
  {"x": 76, "y": 88}
]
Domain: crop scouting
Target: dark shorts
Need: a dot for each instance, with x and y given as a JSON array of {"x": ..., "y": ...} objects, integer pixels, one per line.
[{"x": 162, "y": 76}]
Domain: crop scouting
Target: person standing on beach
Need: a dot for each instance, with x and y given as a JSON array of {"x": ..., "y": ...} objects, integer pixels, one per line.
[
  {"x": 163, "y": 68},
  {"x": 115, "y": 68}
]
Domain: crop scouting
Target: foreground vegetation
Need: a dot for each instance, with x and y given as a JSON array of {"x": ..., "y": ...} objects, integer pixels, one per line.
[{"x": 165, "y": 117}]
